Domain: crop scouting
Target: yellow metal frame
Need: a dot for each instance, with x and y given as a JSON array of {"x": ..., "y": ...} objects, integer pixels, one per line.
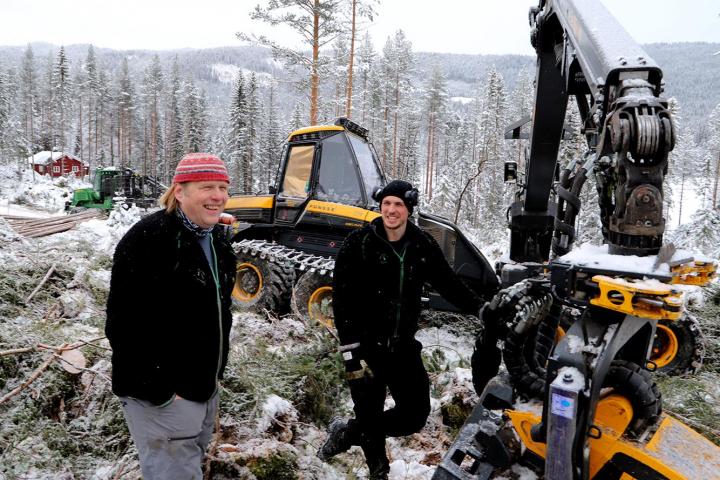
[
  {"x": 694, "y": 273},
  {"x": 249, "y": 201},
  {"x": 315, "y": 306},
  {"x": 315, "y": 128},
  {"x": 674, "y": 450},
  {"x": 339, "y": 210},
  {"x": 240, "y": 293},
  {"x": 672, "y": 300}
]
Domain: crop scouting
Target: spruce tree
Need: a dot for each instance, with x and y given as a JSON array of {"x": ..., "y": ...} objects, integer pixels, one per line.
[
  {"x": 125, "y": 115},
  {"x": 60, "y": 98},
  {"x": 436, "y": 98},
  {"x": 194, "y": 132},
  {"x": 92, "y": 90},
  {"x": 29, "y": 99},
  {"x": 270, "y": 141},
  {"x": 174, "y": 145},
  {"x": 153, "y": 88}
]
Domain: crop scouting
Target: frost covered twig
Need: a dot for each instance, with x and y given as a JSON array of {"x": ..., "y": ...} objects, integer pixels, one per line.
[
  {"x": 15, "y": 351},
  {"x": 57, "y": 351},
  {"x": 44, "y": 366},
  {"x": 64, "y": 347},
  {"x": 42, "y": 282}
]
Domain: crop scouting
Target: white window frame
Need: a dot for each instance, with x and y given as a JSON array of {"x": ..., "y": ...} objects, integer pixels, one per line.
[{"x": 56, "y": 169}]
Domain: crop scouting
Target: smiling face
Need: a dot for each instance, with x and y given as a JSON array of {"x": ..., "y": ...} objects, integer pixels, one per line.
[
  {"x": 394, "y": 214},
  {"x": 202, "y": 202}
]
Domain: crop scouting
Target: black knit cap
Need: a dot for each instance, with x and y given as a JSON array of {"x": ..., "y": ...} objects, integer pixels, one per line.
[{"x": 401, "y": 189}]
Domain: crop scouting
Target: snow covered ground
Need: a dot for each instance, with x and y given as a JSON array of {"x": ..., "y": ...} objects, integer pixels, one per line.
[
  {"x": 282, "y": 384},
  {"x": 270, "y": 411}
]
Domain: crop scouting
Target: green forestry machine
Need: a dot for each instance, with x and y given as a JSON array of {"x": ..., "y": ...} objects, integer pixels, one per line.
[
  {"x": 582, "y": 330},
  {"x": 286, "y": 240},
  {"x": 113, "y": 184}
]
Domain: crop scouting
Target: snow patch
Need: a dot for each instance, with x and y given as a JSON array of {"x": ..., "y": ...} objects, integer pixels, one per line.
[
  {"x": 228, "y": 74},
  {"x": 277, "y": 418},
  {"x": 462, "y": 100}
]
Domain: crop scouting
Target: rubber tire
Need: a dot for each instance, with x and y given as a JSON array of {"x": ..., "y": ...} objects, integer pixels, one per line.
[
  {"x": 309, "y": 283},
  {"x": 637, "y": 385},
  {"x": 691, "y": 350},
  {"x": 277, "y": 281}
]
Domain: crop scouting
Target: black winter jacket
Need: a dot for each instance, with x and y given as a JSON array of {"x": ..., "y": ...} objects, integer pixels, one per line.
[
  {"x": 377, "y": 291},
  {"x": 167, "y": 323}
]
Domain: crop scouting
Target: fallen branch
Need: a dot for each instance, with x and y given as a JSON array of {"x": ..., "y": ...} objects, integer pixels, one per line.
[
  {"x": 42, "y": 282},
  {"x": 64, "y": 347},
  {"x": 15, "y": 351},
  {"x": 38, "y": 371}
]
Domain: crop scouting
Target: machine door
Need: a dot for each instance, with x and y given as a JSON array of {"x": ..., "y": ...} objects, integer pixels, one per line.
[
  {"x": 295, "y": 187},
  {"x": 371, "y": 174},
  {"x": 338, "y": 175}
]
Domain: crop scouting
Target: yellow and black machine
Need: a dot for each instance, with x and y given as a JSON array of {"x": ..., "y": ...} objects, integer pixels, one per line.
[
  {"x": 600, "y": 412},
  {"x": 287, "y": 240}
]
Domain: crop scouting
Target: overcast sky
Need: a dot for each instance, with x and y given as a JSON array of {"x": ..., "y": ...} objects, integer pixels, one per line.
[{"x": 454, "y": 26}]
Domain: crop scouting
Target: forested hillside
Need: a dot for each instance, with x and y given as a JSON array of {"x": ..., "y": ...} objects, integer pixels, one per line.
[{"x": 435, "y": 119}]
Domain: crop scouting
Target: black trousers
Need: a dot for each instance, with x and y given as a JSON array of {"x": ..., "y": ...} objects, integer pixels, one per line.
[{"x": 403, "y": 373}]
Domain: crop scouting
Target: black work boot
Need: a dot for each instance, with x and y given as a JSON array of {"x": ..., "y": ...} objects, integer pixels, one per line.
[
  {"x": 338, "y": 439},
  {"x": 378, "y": 468},
  {"x": 376, "y": 458}
]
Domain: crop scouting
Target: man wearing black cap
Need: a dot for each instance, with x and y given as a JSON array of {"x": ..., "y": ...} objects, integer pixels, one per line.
[{"x": 377, "y": 283}]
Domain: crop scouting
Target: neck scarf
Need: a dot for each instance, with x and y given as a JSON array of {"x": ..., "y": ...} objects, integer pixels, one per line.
[{"x": 192, "y": 226}]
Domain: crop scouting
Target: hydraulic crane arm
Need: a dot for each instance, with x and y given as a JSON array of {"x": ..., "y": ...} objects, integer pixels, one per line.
[{"x": 584, "y": 52}]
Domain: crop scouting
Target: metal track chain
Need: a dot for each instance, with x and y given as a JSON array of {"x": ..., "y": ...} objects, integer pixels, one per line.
[{"x": 281, "y": 254}]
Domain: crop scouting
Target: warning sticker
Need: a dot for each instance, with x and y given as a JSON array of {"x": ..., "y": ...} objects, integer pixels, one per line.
[{"x": 563, "y": 406}]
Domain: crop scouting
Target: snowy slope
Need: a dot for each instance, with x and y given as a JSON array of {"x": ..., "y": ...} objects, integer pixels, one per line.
[{"x": 282, "y": 384}]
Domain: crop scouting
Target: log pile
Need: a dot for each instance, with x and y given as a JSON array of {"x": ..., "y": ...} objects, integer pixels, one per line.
[{"x": 39, "y": 227}]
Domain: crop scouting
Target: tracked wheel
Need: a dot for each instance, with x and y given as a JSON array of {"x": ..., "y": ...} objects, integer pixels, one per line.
[
  {"x": 262, "y": 283},
  {"x": 312, "y": 298},
  {"x": 678, "y": 346}
]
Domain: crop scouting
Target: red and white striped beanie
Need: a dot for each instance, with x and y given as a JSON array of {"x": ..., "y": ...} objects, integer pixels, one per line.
[{"x": 200, "y": 167}]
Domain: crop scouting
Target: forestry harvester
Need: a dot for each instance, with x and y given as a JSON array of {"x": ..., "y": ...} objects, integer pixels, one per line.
[
  {"x": 116, "y": 184},
  {"x": 598, "y": 410},
  {"x": 286, "y": 240}
]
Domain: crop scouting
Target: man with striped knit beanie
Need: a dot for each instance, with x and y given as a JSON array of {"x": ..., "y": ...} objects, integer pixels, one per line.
[{"x": 168, "y": 320}]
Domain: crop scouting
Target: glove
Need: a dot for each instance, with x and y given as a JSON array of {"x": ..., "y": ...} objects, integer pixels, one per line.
[{"x": 355, "y": 366}]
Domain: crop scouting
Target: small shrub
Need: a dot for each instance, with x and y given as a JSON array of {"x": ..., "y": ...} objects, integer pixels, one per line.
[{"x": 280, "y": 466}]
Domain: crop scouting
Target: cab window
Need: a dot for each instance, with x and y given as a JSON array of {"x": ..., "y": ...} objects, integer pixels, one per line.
[
  {"x": 297, "y": 173},
  {"x": 338, "y": 178},
  {"x": 368, "y": 165}
]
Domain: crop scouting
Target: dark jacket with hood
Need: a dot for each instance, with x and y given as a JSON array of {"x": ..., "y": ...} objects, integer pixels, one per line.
[
  {"x": 377, "y": 290},
  {"x": 168, "y": 320}
]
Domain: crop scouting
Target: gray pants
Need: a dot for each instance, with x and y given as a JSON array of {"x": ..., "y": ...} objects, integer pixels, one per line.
[{"x": 170, "y": 440}]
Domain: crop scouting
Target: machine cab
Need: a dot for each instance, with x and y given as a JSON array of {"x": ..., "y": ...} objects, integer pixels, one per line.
[{"x": 329, "y": 163}]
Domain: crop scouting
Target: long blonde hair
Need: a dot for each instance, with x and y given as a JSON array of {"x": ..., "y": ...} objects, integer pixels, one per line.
[{"x": 168, "y": 200}]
